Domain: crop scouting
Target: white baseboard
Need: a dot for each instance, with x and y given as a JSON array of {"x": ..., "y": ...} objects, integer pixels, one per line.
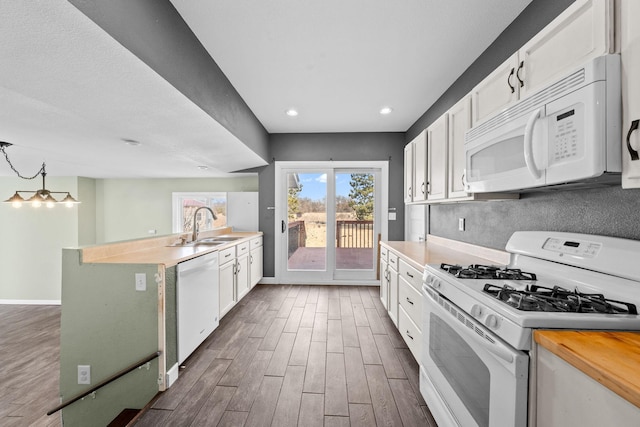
[
  {"x": 30, "y": 302},
  {"x": 268, "y": 281},
  {"x": 272, "y": 281}
]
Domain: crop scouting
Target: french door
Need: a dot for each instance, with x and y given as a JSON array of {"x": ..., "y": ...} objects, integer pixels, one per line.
[{"x": 328, "y": 219}]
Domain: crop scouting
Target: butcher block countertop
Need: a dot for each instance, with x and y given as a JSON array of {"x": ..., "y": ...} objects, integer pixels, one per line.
[
  {"x": 436, "y": 250},
  {"x": 611, "y": 358},
  {"x": 157, "y": 251}
]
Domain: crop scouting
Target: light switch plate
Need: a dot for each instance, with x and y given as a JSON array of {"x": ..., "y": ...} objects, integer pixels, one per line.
[{"x": 141, "y": 282}]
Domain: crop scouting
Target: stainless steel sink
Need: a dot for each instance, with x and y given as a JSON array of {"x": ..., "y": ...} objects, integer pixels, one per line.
[
  {"x": 203, "y": 242},
  {"x": 225, "y": 239}
]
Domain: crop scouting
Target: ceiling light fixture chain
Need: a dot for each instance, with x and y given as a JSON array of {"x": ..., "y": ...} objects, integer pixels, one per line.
[{"x": 3, "y": 145}]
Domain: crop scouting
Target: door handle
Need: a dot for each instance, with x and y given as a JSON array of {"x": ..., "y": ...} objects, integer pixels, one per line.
[
  {"x": 520, "y": 67},
  {"x": 513, "y": 88},
  {"x": 528, "y": 144},
  {"x": 632, "y": 152},
  {"x": 284, "y": 226}
]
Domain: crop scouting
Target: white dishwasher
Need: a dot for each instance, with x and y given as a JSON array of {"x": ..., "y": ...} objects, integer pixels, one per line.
[{"x": 198, "y": 307}]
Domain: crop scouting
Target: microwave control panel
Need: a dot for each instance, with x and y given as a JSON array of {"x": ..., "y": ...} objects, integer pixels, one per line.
[{"x": 566, "y": 136}]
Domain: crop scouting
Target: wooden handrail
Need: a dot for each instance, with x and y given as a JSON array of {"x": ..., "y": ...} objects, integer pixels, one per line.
[{"x": 103, "y": 383}]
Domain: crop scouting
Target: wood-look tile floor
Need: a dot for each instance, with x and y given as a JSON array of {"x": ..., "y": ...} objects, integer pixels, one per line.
[
  {"x": 29, "y": 365},
  {"x": 298, "y": 355}
]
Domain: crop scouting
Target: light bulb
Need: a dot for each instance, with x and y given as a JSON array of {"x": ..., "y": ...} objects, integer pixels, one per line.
[
  {"x": 69, "y": 204},
  {"x": 16, "y": 204},
  {"x": 36, "y": 203},
  {"x": 50, "y": 204}
]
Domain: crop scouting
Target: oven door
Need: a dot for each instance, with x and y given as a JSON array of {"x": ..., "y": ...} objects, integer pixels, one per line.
[{"x": 477, "y": 379}]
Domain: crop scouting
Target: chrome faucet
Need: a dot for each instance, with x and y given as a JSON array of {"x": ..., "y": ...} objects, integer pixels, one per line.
[{"x": 194, "y": 236}]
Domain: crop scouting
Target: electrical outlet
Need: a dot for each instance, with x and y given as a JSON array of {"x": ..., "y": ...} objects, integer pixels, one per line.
[
  {"x": 84, "y": 374},
  {"x": 460, "y": 224},
  {"x": 141, "y": 282}
]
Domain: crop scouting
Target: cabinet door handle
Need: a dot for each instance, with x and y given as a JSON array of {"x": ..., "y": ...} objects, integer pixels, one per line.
[
  {"x": 409, "y": 335},
  {"x": 284, "y": 226},
  {"x": 410, "y": 193},
  {"x": 520, "y": 67},
  {"x": 251, "y": 259},
  {"x": 513, "y": 89},
  {"x": 238, "y": 265},
  {"x": 632, "y": 152},
  {"x": 409, "y": 301},
  {"x": 422, "y": 187}
]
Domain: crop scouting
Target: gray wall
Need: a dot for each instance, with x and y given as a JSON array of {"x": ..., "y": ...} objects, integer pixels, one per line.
[
  {"x": 608, "y": 211},
  {"x": 339, "y": 147},
  {"x": 155, "y": 32}
]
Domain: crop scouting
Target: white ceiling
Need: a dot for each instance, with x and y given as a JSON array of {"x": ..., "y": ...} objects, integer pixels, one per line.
[{"x": 71, "y": 94}]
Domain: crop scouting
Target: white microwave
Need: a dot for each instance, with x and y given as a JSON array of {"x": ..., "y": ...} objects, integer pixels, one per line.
[{"x": 567, "y": 134}]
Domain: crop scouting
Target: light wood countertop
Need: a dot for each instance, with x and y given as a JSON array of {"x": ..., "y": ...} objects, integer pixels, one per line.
[
  {"x": 611, "y": 358},
  {"x": 156, "y": 251},
  {"x": 436, "y": 250}
]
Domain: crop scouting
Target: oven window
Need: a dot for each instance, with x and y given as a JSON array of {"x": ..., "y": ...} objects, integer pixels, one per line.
[
  {"x": 500, "y": 157},
  {"x": 463, "y": 369}
]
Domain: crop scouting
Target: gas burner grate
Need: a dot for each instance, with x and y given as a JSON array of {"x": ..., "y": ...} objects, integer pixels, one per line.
[
  {"x": 557, "y": 299},
  {"x": 489, "y": 272}
]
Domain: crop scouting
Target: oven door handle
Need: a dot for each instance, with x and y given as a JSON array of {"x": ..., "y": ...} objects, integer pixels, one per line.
[{"x": 494, "y": 348}]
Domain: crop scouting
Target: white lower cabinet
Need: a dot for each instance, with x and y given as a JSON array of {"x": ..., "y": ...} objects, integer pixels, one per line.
[
  {"x": 255, "y": 263},
  {"x": 401, "y": 295},
  {"x": 227, "y": 274},
  {"x": 240, "y": 270},
  {"x": 566, "y": 397}
]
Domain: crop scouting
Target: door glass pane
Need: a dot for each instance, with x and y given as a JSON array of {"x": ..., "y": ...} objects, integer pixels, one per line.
[
  {"x": 307, "y": 221},
  {"x": 355, "y": 240}
]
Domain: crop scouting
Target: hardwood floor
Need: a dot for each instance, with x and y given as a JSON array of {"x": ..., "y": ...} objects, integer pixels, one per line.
[
  {"x": 298, "y": 355},
  {"x": 29, "y": 365}
]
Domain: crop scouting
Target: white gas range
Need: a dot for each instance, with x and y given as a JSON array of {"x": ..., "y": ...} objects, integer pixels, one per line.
[{"x": 478, "y": 320}]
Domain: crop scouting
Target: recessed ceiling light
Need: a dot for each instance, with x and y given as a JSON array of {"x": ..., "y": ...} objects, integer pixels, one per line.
[
  {"x": 131, "y": 142},
  {"x": 291, "y": 112},
  {"x": 386, "y": 110},
  {"x": 203, "y": 167}
]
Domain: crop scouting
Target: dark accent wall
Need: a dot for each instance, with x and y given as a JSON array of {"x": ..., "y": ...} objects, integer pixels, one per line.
[
  {"x": 608, "y": 211},
  {"x": 339, "y": 147},
  {"x": 156, "y": 33}
]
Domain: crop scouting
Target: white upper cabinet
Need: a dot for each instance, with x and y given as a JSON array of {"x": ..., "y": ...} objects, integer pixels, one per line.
[
  {"x": 629, "y": 31},
  {"x": 437, "y": 135},
  {"x": 459, "y": 123},
  {"x": 408, "y": 173},
  {"x": 582, "y": 32},
  {"x": 497, "y": 90},
  {"x": 420, "y": 167}
]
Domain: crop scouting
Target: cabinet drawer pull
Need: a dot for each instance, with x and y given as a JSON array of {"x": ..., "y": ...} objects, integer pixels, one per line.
[
  {"x": 409, "y": 301},
  {"x": 409, "y": 274},
  {"x": 409, "y": 335},
  {"x": 632, "y": 152},
  {"x": 227, "y": 255}
]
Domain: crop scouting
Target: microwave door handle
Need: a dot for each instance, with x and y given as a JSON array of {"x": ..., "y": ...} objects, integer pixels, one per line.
[{"x": 528, "y": 144}]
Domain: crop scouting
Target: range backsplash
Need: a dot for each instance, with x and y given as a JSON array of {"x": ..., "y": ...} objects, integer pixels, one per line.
[{"x": 608, "y": 211}]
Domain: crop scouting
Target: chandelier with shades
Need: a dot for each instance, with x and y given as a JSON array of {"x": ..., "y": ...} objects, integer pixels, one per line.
[{"x": 36, "y": 198}]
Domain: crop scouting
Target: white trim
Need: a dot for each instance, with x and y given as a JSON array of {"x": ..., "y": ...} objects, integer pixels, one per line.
[
  {"x": 280, "y": 208},
  {"x": 172, "y": 375},
  {"x": 30, "y": 302},
  {"x": 268, "y": 281}
]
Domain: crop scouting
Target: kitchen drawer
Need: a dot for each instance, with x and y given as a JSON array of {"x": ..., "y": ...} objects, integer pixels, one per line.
[
  {"x": 255, "y": 243},
  {"x": 411, "y": 301},
  {"x": 393, "y": 260},
  {"x": 411, "y": 275},
  {"x": 242, "y": 248},
  {"x": 227, "y": 255},
  {"x": 410, "y": 332},
  {"x": 384, "y": 254}
]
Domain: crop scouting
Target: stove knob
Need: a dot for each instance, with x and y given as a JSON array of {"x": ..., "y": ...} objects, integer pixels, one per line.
[
  {"x": 492, "y": 321},
  {"x": 435, "y": 283},
  {"x": 476, "y": 311}
]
